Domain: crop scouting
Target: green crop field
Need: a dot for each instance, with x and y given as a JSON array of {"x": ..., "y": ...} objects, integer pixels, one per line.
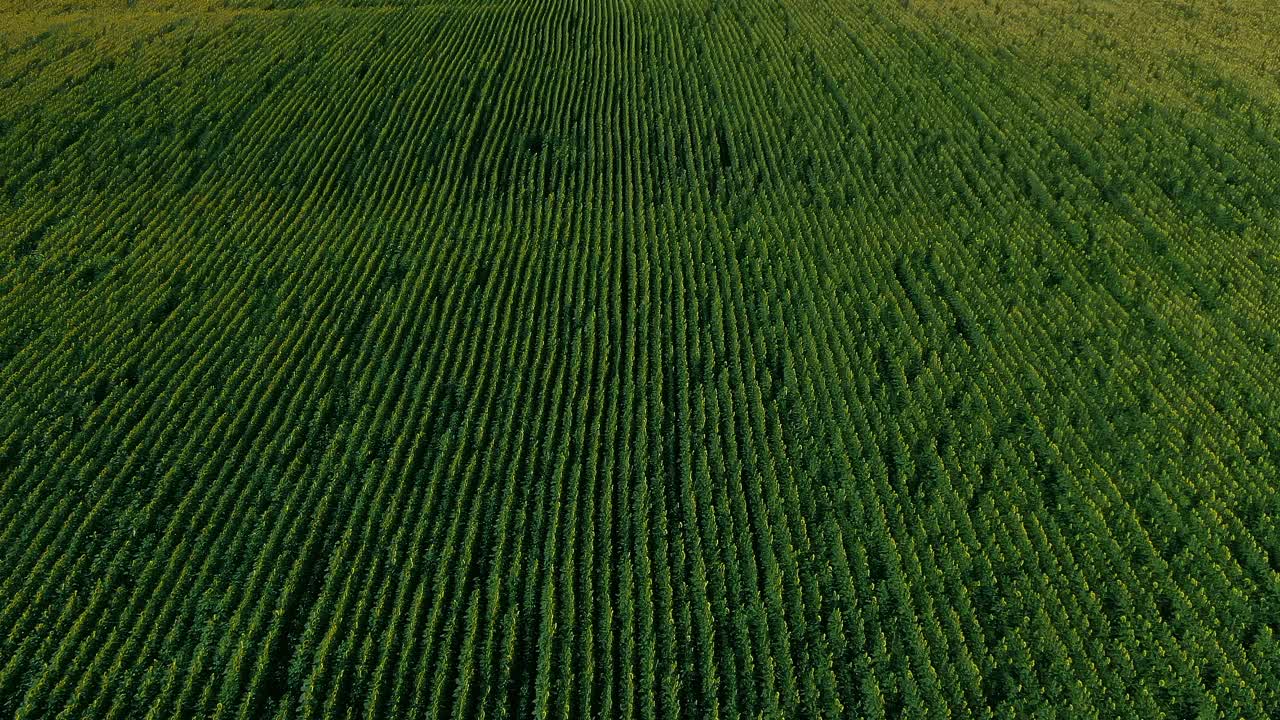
[{"x": 639, "y": 359}]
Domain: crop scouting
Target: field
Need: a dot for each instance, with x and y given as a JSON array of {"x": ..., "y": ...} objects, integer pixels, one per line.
[{"x": 639, "y": 359}]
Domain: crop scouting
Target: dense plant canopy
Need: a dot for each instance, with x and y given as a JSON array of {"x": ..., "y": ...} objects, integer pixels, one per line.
[{"x": 642, "y": 359}]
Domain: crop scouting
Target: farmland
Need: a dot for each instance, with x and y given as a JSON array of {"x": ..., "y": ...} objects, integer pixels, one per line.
[{"x": 646, "y": 359}]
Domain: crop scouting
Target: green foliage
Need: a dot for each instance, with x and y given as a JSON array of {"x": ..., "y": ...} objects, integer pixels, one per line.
[{"x": 636, "y": 360}]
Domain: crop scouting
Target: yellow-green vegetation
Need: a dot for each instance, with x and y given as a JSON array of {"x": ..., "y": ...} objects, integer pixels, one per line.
[
  {"x": 752, "y": 359},
  {"x": 1179, "y": 51}
]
